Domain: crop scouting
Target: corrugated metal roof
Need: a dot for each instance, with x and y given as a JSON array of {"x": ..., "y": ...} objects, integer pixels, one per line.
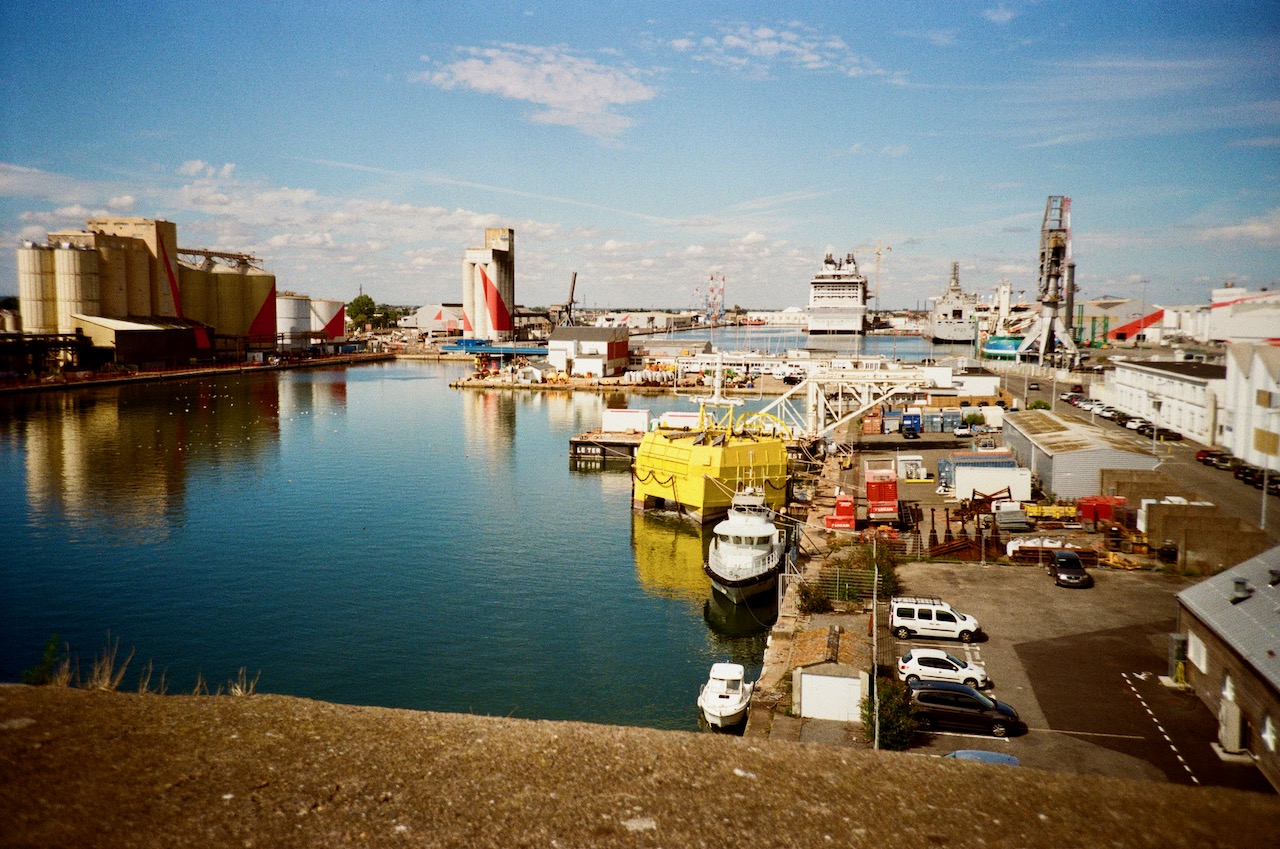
[
  {"x": 589, "y": 334},
  {"x": 1251, "y": 627},
  {"x": 1053, "y": 434},
  {"x": 1197, "y": 371}
]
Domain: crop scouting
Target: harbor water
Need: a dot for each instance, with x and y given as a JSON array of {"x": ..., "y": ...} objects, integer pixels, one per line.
[{"x": 364, "y": 535}]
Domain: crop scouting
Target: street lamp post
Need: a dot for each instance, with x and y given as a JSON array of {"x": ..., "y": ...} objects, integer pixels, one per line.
[{"x": 1155, "y": 423}]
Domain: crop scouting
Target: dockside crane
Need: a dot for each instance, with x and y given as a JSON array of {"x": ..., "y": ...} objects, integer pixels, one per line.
[
  {"x": 566, "y": 312},
  {"x": 1049, "y": 336}
]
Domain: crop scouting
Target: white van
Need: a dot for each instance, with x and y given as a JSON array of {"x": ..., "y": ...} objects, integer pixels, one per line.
[{"x": 930, "y": 617}]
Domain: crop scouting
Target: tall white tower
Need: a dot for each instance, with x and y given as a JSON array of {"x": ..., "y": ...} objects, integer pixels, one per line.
[{"x": 489, "y": 287}]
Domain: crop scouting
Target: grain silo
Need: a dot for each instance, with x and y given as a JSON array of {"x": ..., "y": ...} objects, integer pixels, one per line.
[
  {"x": 488, "y": 286},
  {"x": 231, "y": 285},
  {"x": 293, "y": 320},
  {"x": 113, "y": 277},
  {"x": 199, "y": 295},
  {"x": 260, "y": 308},
  {"x": 328, "y": 320},
  {"x": 161, "y": 239},
  {"x": 75, "y": 271},
  {"x": 37, "y": 289}
]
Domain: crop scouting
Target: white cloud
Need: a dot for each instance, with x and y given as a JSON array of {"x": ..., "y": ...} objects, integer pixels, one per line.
[
  {"x": 756, "y": 51},
  {"x": 121, "y": 203},
  {"x": 1262, "y": 229},
  {"x": 1000, "y": 14},
  {"x": 574, "y": 91}
]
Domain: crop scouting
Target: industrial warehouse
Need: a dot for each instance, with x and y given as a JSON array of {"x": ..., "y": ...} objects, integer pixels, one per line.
[{"x": 122, "y": 292}]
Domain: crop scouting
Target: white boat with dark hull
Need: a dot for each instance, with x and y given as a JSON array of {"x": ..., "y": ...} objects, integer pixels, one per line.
[
  {"x": 726, "y": 697},
  {"x": 953, "y": 317},
  {"x": 748, "y": 550},
  {"x": 838, "y": 298}
]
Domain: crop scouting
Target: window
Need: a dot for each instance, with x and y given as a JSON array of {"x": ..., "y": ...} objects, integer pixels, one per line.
[
  {"x": 1269, "y": 733},
  {"x": 926, "y": 614},
  {"x": 943, "y": 616},
  {"x": 1196, "y": 652},
  {"x": 1228, "y": 688},
  {"x": 906, "y": 613}
]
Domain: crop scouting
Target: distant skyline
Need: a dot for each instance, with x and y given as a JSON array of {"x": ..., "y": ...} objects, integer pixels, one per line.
[{"x": 649, "y": 146}]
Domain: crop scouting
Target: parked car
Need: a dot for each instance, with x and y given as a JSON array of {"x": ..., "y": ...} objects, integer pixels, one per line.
[
  {"x": 1067, "y": 396},
  {"x": 1033, "y": 386},
  {"x": 1165, "y": 435},
  {"x": 937, "y": 665},
  {"x": 1105, "y": 412},
  {"x": 942, "y": 704},
  {"x": 963, "y": 431},
  {"x": 930, "y": 617},
  {"x": 1226, "y": 462},
  {"x": 1244, "y": 471},
  {"x": 1068, "y": 571},
  {"x": 1136, "y": 423},
  {"x": 1121, "y": 418},
  {"x": 1077, "y": 388},
  {"x": 909, "y": 432},
  {"x": 1208, "y": 455}
]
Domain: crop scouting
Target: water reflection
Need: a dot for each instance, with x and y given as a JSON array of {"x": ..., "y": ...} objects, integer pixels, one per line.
[
  {"x": 669, "y": 555},
  {"x": 119, "y": 459}
]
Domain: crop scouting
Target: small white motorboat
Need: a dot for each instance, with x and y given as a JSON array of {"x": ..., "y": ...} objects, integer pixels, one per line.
[
  {"x": 725, "y": 697},
  {"x": 748, "y": 550}
]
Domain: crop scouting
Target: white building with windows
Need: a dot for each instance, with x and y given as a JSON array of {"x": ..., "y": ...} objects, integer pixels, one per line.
[
  {"x": 1231, "y": 630},
  {"x": 1251, "y": 405},
  {"x": 1178, "y": 395}
]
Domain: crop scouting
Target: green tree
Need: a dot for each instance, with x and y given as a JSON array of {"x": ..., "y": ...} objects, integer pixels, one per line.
[
  {"x": 361, "y": 309},
  {"x": 1039, "y": 405},
  {"x": 898, "y": 720}
]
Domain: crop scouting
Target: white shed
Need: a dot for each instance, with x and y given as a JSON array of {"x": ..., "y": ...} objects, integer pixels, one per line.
[{"x": 830, "y": 674}]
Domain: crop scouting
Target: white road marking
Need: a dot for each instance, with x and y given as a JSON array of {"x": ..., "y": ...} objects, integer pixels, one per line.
[{"x": 1143, "y": 676}]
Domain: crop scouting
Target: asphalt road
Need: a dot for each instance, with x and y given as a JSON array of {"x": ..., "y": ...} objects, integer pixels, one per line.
[{"x": 1081, "y": 667}]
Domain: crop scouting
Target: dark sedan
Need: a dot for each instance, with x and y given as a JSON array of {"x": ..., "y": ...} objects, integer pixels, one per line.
[
  {"x": 1068, "y": 571},
  {"x": 942, "y": 704}
]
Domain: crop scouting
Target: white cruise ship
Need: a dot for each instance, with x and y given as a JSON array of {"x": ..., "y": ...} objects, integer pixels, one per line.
[
  {"x": 952, "y": 318},
  {"x": 838, "y": 298}
]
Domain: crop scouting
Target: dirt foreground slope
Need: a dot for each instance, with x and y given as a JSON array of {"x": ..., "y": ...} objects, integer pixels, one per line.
[{"x": 83, "y": 768}]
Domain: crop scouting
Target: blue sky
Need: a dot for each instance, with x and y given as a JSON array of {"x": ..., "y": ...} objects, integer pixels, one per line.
[{"x": 647, "y": 146}]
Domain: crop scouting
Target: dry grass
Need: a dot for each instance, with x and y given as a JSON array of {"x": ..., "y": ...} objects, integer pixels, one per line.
[
  {"x": 105, "y": 674},
  {"x": 108, "y": 674}
]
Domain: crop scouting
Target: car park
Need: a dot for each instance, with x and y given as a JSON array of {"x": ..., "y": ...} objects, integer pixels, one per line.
[
  {"x": 922, "y": 664},
  {"x": 942, "y": 704},
  {"x": 1068, "y": 571},
  {"x": 930, "y": 617}
]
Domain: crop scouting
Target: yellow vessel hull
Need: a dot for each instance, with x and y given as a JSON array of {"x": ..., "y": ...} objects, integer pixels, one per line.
[{"x": 699, "y": 480}]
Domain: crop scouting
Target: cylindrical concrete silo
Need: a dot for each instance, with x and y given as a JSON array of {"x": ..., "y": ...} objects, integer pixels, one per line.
[
  {"x": 329, "y": 318},
  {"x": 196, "y": 287},
  {"x": 137, "y": 271},
  {"x": 165, "y": 297},
  {"x": 37, "y": 290},
  {"x": 232, "y": 288},
  {"x": 260, "y": 308},
  {"x": 293, "y": 321},
  {"x": 75, "y": 273},
  {"x": 113, "y": 278},
  {"x": 469, "y": 298}
]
